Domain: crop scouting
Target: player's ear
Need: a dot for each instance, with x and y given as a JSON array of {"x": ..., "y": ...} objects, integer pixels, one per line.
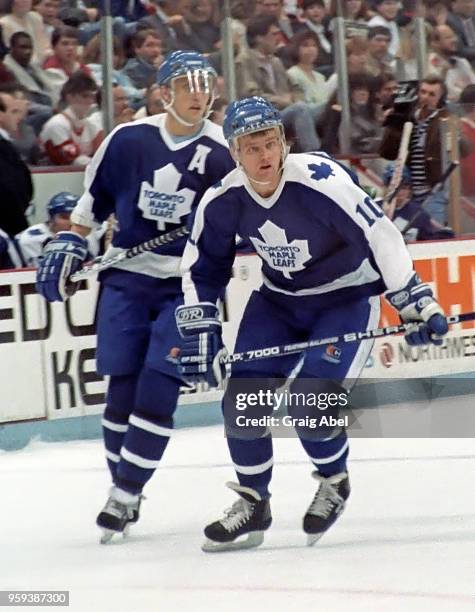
[
  {"x": 234, "y": 153},
  {"x": 165, "y": 94}
]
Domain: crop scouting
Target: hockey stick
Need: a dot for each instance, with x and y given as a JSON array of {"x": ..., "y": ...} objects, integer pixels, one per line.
[
  {"x": 144, "y": 247},
  {"x": 435, "y": 189},
  {"x": 290, "y": 349},
  {"x": 389, "y": 202}
]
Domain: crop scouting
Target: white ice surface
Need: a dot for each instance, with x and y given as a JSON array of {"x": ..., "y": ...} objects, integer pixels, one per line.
[{"x": 406, "y": 541}]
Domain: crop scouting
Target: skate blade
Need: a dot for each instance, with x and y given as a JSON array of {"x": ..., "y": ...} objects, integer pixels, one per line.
[
  {"x": 107, "y": 535},
  {"x": 312, "y": 538},
  {"x": 254, "y": 539}
]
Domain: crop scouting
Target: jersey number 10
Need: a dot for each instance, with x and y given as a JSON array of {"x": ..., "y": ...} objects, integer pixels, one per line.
[{"x": 370, "y": 211}]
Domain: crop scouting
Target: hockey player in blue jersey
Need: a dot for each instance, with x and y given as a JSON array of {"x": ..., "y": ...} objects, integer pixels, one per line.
[
  {"x": 327, "y": 253},
  {"x": 151, "y": 174},
  {"x": 33, "y": 239}
]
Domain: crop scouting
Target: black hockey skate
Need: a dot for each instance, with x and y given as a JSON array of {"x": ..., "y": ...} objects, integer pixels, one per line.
[
  {"x": 327, "y": 505},
  {"x": 117, "y": 516},
  {"x": 249, "y": 516}
]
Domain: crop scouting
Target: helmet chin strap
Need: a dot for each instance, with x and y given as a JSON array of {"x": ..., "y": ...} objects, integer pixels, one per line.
[
  {"x": 259, "y": 182},
  {"x": 169, "y": 108}
]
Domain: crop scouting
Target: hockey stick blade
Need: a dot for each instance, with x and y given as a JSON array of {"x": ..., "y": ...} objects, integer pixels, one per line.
[
  {"x": 144, "y": 247},
  {"x": 290, "y": 349}
]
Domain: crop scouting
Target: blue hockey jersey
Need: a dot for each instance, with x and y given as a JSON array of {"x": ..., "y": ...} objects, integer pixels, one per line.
[
  {"x": 151, "y": 183},
  {"x": 318, "y": 236}
]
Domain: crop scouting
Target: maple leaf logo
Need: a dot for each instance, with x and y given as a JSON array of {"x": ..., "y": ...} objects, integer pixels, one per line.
[
  {"x": 321, "y": 171},
  {"x": 163, "y": 202},
  {"x": 286, "y": 257}
]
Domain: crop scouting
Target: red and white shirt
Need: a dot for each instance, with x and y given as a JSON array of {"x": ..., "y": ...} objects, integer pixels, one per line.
[{"x": 67, "y": 139}]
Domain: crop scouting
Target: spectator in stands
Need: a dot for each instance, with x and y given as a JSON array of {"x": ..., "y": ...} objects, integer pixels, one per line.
[
  {"x": 411, "y": 219},
  {"x": 16, "y": 187},
  {"x": 75, "y": 13},
  {"x": 443, "y": 61},
  {"x": 259, "y": 72},
  {"x": 467, "y": 128},
  {"x": 357, "y": 57},
  {"x": 122, "y": 111},
  {"x": 303, "y": 52},
  {"x": 204, "y": 34},
  {"x": 70, "y": 137},
  {"x": 129, "y": 10},
  {"x": 153, "y": 103},
  {"x": 386, "y": 15},
  {"x": 379, "y": 58},
  {"x": 143, "y": 67},
  {"x": 24, "y": 138},
  {"x": 92, "y": 59},
  {"x": 354, "y": 11},
  {"x": 365, "y": 130},
  {"x": 356, "y": 15},
  {"x": 48, "y": 9},
  {"x": 32, "y": 78},
  {"x": 314, "y": 18},
  {"x": 218, "y": 110},
  {"x": 425, "y": 152},
  {"x": 385, "y": 87},
  {"x": 275, "y": 8},
  {"x": 161, "y": 21},
  {"x": 20, "y": 18},
  {"x": 241, "y": 12},
  {"x": 65, "y": 59},
  {"x": 462, "y": 21},
  {"x": 436, "y": 12},
  {"x": 406, "y": 64},
  {"x": 177, "y": 20},
  {"x": 84, "y": 16}
]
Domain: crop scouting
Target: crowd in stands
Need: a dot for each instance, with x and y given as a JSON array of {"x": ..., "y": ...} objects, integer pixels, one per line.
[
  {"x": 284, "y": 50},
  {"x": 51, "y": 69}
]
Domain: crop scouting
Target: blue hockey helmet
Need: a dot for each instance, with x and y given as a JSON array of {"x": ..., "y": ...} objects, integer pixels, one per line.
[
  {"x": 63, "y": 202},
  {"x": 199, "y": 72},
  {"x": 184, "y": 63},
  {"x": 250, "y": 115},
  {"x": 389, "y": 171}
]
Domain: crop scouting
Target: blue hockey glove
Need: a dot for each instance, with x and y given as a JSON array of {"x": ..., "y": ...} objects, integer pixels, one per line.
[
  {"x": 61, "y": 257},
  {"x": 416, "y": 303},
  {"x": 202, "y": 347}
]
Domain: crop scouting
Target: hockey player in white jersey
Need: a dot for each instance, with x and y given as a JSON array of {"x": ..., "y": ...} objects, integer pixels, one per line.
[
  {"x": 33, "y": 240},
  {"x": 151, "y": 174},
  {"x": 327, "y": 253}
]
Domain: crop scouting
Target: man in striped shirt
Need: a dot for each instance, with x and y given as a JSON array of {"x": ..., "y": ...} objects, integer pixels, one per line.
[{"x": 425, "y": 155}]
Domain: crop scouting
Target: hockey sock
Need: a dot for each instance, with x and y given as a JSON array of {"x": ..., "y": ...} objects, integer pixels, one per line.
[
  {"x": 150, "y": 428},
  {"x": 120, "y": 402},
  {"x": 328, "y": 456},
  {"x": 252, "y": 460}
]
